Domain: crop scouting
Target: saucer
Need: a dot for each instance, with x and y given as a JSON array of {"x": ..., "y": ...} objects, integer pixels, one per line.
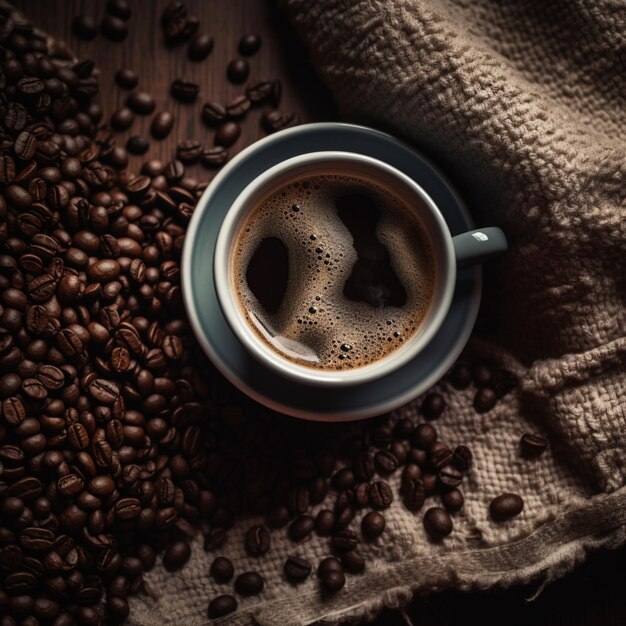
[{"x": 233, "y": 360}]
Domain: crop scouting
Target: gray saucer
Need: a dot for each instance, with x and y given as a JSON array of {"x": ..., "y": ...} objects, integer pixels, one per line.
[{"x": 216, "y": 336}]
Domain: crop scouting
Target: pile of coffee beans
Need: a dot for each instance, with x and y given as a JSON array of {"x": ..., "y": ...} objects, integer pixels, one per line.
[{"x": 118, "y": 440}]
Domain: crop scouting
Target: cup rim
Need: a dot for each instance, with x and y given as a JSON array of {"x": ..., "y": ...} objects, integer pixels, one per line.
[{"x": 340, "y": 378}]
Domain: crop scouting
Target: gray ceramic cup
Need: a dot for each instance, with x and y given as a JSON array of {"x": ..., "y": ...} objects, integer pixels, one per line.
[{"x": 465, "y": 249}]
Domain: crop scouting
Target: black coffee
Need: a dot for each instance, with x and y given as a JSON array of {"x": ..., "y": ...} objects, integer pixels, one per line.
[{"x": 333, "y": 272}]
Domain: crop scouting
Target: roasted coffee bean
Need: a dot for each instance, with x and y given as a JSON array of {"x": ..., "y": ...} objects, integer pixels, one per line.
[
  {"x": 227, "y": 134},
  {"x": 502, "y": 382},
  {"x": 505, "y": 506},
  {"x": 344, "y": 541},
  {"x": 7, "y": 169},
  {"x": 532, "y": 445},
  {"x": 188, "y": 151},
  {"x": 101, "y": 485},
  {"x": 481, "y": 374},
  {"x": 413, "y": 493},
  {"x": 249, "y": 44},
  {"x": 141, "y": 102},
  {"x": 353, "y": 562},
  {"x": 325, "y": 522},
  {"x": 462, "y": 458},
  {"x": 137, "y": 144},
  {"x": 162, "y": 124},
  {"x": 449, "y": 477},
  {"x": 238, "y": 71},
  {"x": 332, "y": 581},
  {"x": 85, "y": 27},
  {"x": 221, "y": 606},
  {"x": 259, "y": 91},
  {"x": 184, "y": 90},
  {"x": 440, "y": 455},
  {"x": 249, "y": 584},
  {"x": 424, "y": 436},
  {"x": 386, "y": 462},
  {"x": 461, "y": 376},
  {"x": 25, "y": 146},
  {"x": 215, "y": 156},
  {"x": 213, "y": 113},
  {"x": 113, "y": 28},
  {"x": 70, "y": 484},
  {"x": 222, "y": 569},
  {"x": 13, "y": 411},
  {"x": 257, "y": 540},
  {"x": 176, "y": 555},
  {"x": 453, "y": 500},
  {"x": 238, "y": 107},
  {"x": 344, "y": 479},
  {"x": 77, "y": 436},
  {"x": 41, "y": 288},
  {"x": 104, "y": 391},
  {"x": 119, "y": 8},
  {"x": 127, "y": 508},
  {"x": 437, "y": 523},
  {"x": 126, "y": 78},
  {"x": 122, "y": 119},
  {"x": 433, "y": 406},
  {"x": 200, "y": 47},
  {"x": 296, "y": 569},
  {"x": 36, "y": 539},
  {"x": 301, "y": 527},
  {"x": 381, "y": 495},
  {"x": 273, "y": 121},
  {"x": 364, "y": 467},
  {"x": 484, "y": 400},
  {"x": 372, "y": 525}
]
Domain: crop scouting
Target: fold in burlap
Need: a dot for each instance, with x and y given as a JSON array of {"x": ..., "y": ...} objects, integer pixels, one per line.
[{"x": 522, "y": 104}]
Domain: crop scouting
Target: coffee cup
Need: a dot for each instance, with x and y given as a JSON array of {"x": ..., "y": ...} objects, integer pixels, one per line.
[{"x": 448, "y": 253}]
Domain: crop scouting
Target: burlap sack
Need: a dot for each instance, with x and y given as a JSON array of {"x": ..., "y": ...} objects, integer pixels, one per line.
[{"x": 522, "y": 104}]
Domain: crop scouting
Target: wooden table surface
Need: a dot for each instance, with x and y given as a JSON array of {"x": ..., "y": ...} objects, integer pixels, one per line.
[{"x": 594, "y": 595}]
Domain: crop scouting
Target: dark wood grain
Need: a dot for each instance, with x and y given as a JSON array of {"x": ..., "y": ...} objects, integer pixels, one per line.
[{"x": 594, "y": 594}]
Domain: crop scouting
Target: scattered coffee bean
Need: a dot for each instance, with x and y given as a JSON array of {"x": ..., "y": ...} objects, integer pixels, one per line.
[
  {"x": 372, "y": 525},
  {"x": 273, "y": 121},
  {"x": 126, "y": 78},
  {"x": 215, "y": 156},
  {"x": 249, "y": 44},
  {"x": 85, "y": 27},
  {"x": 413, "y": 493},
  {"x": 452, "y": 500},
  {"x": 200, "y": 47},
  {"x": 184, "y": 90},
  {"x": 113, "y": 28},
  {"x": 440, "y": 455},
  {"x": 461, "y": 376},
  {"x": 325, "y": 522},
  {"x": 481, "y": 374},
  {"x": 381, "y": 495},
  {"x": 141, "y": 102},
  {"x": 301, "y": 527},
  {"x": 188, "y": 151},
  {"x": 484, "y": 400},
  {"x": 278, "y": 517},
  {"x": 532, "y": 445},
  {"x": 213, "y": 113},
  {"x": 238, "y": 106},
  {"x": 227, "y": 134},
  {"x": 221, "y": 606},
  {"x": 259, "y": 91},
  {"x": 296, "y": 569},
  {"x": 249, "y": 584},
  {"x": 386, "y": 463},
  {"x": 137, "y": 144},
  {"x": 433, "y": 406},
  {"x": 462, "y": 458},
  {"x": 449, "y": 477},
  {"x": 162, "y": 124},
  {"x": 257, "y": 540},
  {"x": 505, "y": 506},
  {"x": 502, "y": 382},
  {"x": 222, "y": 569},
  {"x": 333, "y": 581},
  {"x": 437, "y": 523},
  {"x": 237, "y": 71},
  {"x": 344, "y": 541},
  {"x": 176, "y": 555}
]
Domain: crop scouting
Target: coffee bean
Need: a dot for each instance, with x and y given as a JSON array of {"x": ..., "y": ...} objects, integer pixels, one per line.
[
  {"x": 176, "y": 555},
  {"x": 119, "y": 8},
  {"x": 532, "y": 445},
  {"x": 461, "y": 376},
  {"x": 70, "y": 484},
  {"x": 257, "y": 540},
  {"x": 437, "y": 523},
  {"x": 296, "y": 569},
  {"x": 126, "y": 78},
  {"x": 137, "y": 144},
  {"x": 249, "y": 584},
  {"x": 301, "y": 527},
  {"x": 452, "y": 500},
  {"x": 381, "y": 495},
  {"x": 325, "y": 522},
  {"x": 7, "y": 169},
  {"x": 162, "y": 124},
  {"x": 237, "y": 71},
  {"x": 122, "y": 119},
  {"x": 141, "y": 102},
  {"x": 200, "y": 47},
  {"x": 77, "y": 436},
  {"x": 386, "y": 462},
  {"x": 113, "y": 28},
  {"x": 13, "y": 411},
  {"x": 440, "y": 455},
  {"x": 259, "y": 91},
  {"x": 484, "y": 400},
  {"x": 462, "y": 458},
  {"x": 481, "y": 374},
  {"x": 424, "y": 436},
  {"x": 332, "y": 581},
  {"x": 449, "y": 477},
  {"x": 188, "y": 151},
  {"x": 227, "y": 134},
  {"x": 353, "y": 562},
  {"x": 505, "y": 506},
  {"x": 25, "y": 146},
  {"x": 213, "y": 113},
  {"x": 36, "y": 539},
  {"x": 222, "y": 569},
  {"x": 238, "y": 107},
  {"x": 433, "y": 406},
  {"x": 127, "y": 508},
  {"x": 221, "y": 605},
  {"x": 413, "y": 493},
  {"x": 249, "y": 44},
  {"x": 344, "y": 479},
  {"x": 344, "y": 541},
  {"x": 101, "y": 485},
  {"x": 215, "y": 156},
  {"x": 184, "y": 90},
  {"x": 503, "y": 382},
  {"x": 273, "y": 121},
  {"x": 85, "y": 27}
]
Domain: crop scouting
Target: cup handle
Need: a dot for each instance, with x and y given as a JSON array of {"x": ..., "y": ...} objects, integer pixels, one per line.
[{"x": 476, "y": 246}]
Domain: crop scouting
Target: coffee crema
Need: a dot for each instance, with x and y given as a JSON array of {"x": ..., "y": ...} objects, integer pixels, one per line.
[{"x": 333, "y": 272}]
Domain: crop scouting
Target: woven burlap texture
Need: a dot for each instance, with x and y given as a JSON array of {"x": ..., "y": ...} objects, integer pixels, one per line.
[{"x": 522, "y": 105}]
